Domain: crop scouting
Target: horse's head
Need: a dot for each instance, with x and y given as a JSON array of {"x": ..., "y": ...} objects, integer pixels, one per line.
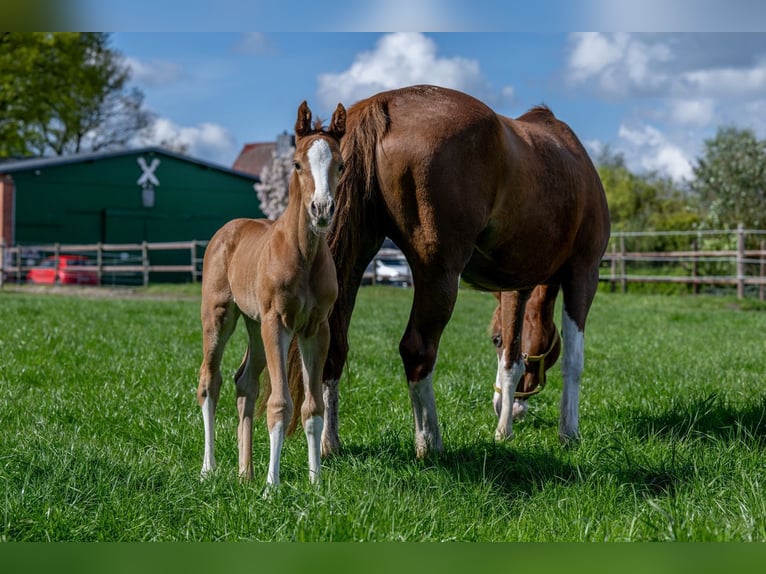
[
  {"x": 540, "y": 348},
  {"x": 318, "y": 165}
]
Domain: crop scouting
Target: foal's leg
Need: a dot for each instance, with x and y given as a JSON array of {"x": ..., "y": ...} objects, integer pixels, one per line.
[
  {"x": 279, "y": 406},
  {"x": 433, "y": 302},
  {"x": 218, "y": 322},
  {"x": 246, "y": 381},
  {"x": 510, "y": 364},
  {"x": 578, "y": 296},
  {"x": 313, "y": 354}
]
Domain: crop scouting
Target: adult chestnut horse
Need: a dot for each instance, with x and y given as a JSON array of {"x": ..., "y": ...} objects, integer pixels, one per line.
[
  {"x": 540, "y": 344},
  {"x": 507, "y": 204},
  {"x": 281, "y": 278}
]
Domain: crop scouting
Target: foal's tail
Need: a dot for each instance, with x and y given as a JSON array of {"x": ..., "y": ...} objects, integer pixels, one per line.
[{"x": 295, "y": 383}]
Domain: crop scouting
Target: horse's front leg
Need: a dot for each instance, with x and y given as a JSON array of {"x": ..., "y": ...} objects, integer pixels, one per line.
[
  {"x": 313, "y": 354},
  {"x": 431, "y": 310},
  {"x": 279, "y": 407},
  {"x": 510, "y": 366}
]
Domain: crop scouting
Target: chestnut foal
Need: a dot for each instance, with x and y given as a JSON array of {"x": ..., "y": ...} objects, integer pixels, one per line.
[{"x": 280, "y": 277}]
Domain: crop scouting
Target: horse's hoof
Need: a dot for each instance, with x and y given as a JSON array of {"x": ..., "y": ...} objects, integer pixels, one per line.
[
  {"x": 519, "y": 410},
  {"x": 270, "y": 491},
  {"x": 501, "y": 435},
  {"x": 569, "y": 441},
  {"x": 330, "y": 447}
]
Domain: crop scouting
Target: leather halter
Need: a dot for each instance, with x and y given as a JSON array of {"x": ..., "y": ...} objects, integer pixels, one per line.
[{"x": 529, "y": 360}]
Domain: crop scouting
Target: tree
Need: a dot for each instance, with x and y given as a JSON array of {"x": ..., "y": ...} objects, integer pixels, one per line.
[
  {"x": 64, "y": 93},
  {"x": 641, "y": 202},
  {"x": 273, "y": 189},
  {"x": 730, "y": 179}
]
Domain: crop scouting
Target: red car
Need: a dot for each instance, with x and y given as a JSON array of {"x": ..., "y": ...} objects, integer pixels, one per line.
[{"x": 68, "y": 271}]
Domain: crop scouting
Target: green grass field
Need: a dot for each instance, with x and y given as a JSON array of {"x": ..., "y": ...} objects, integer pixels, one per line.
[{"x": 102, "y": 435}]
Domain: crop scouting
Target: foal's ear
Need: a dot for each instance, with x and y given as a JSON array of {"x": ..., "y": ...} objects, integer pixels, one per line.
[
  {"x": 338, "y": 122},
  {"x": 303, "y": 123}
]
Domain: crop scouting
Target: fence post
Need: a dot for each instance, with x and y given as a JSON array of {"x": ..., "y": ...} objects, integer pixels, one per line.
[
  {"x": 613, "y": 269},
  {"x": 762, "y": 288},
  {"x": 193, "y": 260},
  {"x": 57, "y": 260},
  {"x": 623, "y": 278},
  {"x": 740, "y": 261},
  {"x": 695, "y": 285},
  {"x": 145, "y": 261},
  {"x": 100, "y": 261}
]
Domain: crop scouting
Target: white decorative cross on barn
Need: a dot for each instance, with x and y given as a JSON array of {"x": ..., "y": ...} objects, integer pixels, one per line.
[{"x": 148, "y": 180}]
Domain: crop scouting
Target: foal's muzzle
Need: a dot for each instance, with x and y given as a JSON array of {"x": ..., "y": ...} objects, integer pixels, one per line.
[{"x": 321, "y": 213}]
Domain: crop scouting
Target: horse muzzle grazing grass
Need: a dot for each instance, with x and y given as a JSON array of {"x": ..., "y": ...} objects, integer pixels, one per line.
[{"x": 280, "y": 277}]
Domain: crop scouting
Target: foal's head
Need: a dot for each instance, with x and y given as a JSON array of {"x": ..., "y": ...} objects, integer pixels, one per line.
[{"x": 318, "y": 165}]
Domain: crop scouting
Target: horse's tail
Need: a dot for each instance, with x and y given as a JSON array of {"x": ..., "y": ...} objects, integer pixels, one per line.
[{"x": 295, "y": 384}]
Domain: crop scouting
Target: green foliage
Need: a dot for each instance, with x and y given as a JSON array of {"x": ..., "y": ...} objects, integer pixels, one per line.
[
  {"x": 103, "y": 434},
  {"x": 730, "y": 179},
  {"x": 644, "y": 202},
  {"x": 63, "y": 93}
]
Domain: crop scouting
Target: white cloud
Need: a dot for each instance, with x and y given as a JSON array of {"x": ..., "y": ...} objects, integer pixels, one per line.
[
  {"x": 617, "y": 65},
  {"x": 398, "y": 60},
  {"x": 646, "y": 148},
  {"x": 206, "y": 141},
  {"x": 155, "y": 73},
  {"x": 695, "y": 112},
  {"x": 728, "y": 81}
]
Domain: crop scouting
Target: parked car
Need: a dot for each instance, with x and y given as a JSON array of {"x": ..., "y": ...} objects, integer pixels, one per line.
[
  {"x": 67, "y": 271},
  {"x": 389, "y": 267}
]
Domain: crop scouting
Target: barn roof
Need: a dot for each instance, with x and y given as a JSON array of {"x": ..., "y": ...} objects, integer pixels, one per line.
[{"x": 20, "y": 165}]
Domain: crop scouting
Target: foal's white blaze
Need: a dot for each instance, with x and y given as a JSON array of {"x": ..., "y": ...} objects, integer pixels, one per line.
[
  {"x": 208, "y": 420},
  {"x": 320, "y": 159},
  {"x": 313, "y": 431},
  {"x": 276, "y": 439},
  {"x": 507, "y": 379},
  {"x": 571, "y": 370},
  {"x": 427, "y": 437}
]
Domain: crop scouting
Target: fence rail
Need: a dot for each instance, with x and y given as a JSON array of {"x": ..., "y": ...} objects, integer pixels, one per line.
[{"x": 105, "y": 263}]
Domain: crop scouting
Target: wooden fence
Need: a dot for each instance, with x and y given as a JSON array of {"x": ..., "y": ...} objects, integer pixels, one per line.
[
  {"x": 112, "y": 263},
  {"x": 733, "y": 258}
]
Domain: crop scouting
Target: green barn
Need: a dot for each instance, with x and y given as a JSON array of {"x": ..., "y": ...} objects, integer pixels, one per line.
[{"x": 130, "y": 196}]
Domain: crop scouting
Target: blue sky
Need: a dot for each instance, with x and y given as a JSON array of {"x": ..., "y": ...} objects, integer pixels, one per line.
[{"x": 653, "y": 96}]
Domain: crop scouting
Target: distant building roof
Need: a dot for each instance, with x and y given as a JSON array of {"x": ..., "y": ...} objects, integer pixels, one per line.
[
  {"x": 254, "y": 157},
  {"x": 17, "y": 165}
]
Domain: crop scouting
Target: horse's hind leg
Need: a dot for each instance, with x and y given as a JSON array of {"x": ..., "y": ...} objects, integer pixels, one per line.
[
  {"x": 218, "y": 322},
  {"x": 246, "y": 381},
  {"x": 578, "y": 296},
  {"x": 313, "y": 354}
]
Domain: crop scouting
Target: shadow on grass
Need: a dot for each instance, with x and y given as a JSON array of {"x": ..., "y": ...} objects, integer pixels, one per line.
[{"x": 700, "y": 417}]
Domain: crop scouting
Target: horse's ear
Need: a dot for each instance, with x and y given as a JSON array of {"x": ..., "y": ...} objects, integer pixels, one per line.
[
  {"x": 303, "y": 123},
  {"x": 338, "y": 122}
]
